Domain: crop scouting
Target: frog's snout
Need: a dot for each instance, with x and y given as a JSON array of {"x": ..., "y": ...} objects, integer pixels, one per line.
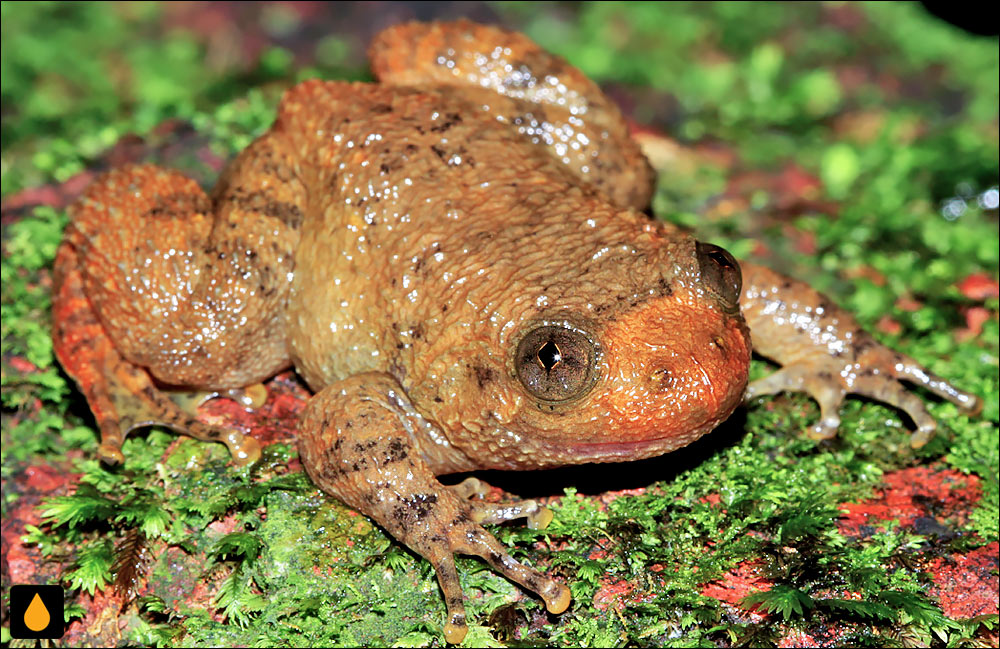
[{"x": 676, "y": 366}]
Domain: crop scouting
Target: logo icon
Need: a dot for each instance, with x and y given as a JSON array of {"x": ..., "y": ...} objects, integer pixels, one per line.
[{"x": 36, "y": 612}]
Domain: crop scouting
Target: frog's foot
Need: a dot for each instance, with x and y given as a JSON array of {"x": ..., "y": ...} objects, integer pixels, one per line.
[
  {"x": 121, "y": 395},
  {"x": 355, "y": 443},
  {"x": 136, "y": 403},
  {"x": 538, "y": 516},
  {"x": 251, "y": 397}
]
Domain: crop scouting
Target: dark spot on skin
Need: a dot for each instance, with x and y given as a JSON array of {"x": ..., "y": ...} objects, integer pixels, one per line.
[
  {"x": 261, "y": 203},
  {"x": 438, "y": 400},
  {"x": 380, "y": 109},
  {"x": 384, "y": 168},
  {"x": 365, "y": 447},
  {"x": 484, "y": 375},
  {"x": 450, "y": 120},
  {"x": 417, "y": 331},
  {"x": 415, "y": 507},
  {"x": 410, "y": 149},
  {"x": 397, "y": 451},
  {"x": 439, "y": 152},
  {"x": 179, "y": 205}
]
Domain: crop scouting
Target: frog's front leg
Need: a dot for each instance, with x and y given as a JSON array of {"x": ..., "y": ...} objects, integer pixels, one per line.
[
  {"x": 824, "y": 353},
  {"x": 358, "y": 441}
]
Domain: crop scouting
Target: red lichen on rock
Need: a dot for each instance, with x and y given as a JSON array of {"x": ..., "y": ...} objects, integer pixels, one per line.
[
  {"x": 967, "y": 585},
  {"x": 735, "y": 585},
  {"x": 618, "y": 594},
  {"x": 909, "y": 495}
]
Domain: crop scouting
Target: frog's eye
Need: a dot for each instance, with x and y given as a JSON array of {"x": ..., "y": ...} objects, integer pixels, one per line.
[
  {"x": 721, "y": 273},
  {"x": 555, "y": 363}
]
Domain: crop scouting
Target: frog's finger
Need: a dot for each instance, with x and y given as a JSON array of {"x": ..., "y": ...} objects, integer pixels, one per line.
[
  {"x": 355, "y": 444},
  {"x": 482, "y": 544},
  {"x": 455, "y": 628},
  {"x": 910, "y": 370},
  {"x": 489, "y": 513},
  {"x": 538, "y": 517},
  {"x": 797, "y": 378}
]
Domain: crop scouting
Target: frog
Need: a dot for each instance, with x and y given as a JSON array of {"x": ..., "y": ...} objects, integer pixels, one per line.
[{"x": 458, "y": 260}]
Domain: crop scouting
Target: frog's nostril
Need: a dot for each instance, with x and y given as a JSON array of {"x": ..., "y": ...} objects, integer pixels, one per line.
[
  {"x": 719, "y": 344},
  {"x": 661, "y": 378}
]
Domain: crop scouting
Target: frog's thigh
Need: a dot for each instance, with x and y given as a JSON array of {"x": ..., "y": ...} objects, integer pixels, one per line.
[
  {"x": 355, "y": 446},
  {"x": 120, "y": 394},
  {"x": 826, "y": 354},
  {"x": 527, "y": 83}
]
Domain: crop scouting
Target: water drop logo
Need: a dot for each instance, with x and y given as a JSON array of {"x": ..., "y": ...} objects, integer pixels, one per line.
[{"x": 36, "y": 612}]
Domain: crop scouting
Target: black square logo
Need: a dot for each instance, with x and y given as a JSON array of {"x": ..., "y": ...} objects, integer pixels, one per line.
[{"x": 36, "y": 612}]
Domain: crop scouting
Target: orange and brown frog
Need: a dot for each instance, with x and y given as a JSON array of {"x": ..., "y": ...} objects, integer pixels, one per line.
[{"x": 456, "y": 261}]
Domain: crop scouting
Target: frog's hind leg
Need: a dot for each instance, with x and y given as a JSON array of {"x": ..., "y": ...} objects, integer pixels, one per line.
[
  {"x": 121, "y": 395},
  {"x": 539, "y": 94},
  {"x": 156, "y": 278}
]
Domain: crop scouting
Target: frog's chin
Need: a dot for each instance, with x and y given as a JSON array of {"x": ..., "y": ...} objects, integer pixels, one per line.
[
  {"x": 554, "y": 453},
  {"x": 640, "y": 449}
]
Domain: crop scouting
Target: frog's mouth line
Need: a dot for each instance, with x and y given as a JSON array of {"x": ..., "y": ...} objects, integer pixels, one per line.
[{"x": 617, "y": 451}]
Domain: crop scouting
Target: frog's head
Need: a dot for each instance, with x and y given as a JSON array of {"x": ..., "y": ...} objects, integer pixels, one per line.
[{"x": 652, "y": 363}]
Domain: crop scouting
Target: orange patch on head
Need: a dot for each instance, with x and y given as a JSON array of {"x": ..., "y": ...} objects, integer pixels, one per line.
[{"x": 675, "y": 368}]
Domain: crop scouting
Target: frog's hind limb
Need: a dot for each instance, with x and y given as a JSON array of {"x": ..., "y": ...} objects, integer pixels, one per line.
[
  {"x": 155, "y": 277},
  {"x": 355, "y": 439},
  {"x": 121, "y": 395},
  {"x": 551, "y": 102},
  {"x": 824, "y": 353}
]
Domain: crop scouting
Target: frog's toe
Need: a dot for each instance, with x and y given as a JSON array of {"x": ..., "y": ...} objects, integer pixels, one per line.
[
  {"x": 243, "y": 448},
  {"x": 250, "y": 397},
  {"x": 907, "y": 369},
  {"x": 471, "y": 488},
  {"x": 828, "y": 393}
]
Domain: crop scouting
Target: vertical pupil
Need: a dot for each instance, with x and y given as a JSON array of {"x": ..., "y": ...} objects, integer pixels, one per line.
[{"x": 549, "y": 355}]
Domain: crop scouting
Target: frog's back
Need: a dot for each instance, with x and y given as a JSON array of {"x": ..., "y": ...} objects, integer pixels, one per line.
[{"x": 427, "y": 211}]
